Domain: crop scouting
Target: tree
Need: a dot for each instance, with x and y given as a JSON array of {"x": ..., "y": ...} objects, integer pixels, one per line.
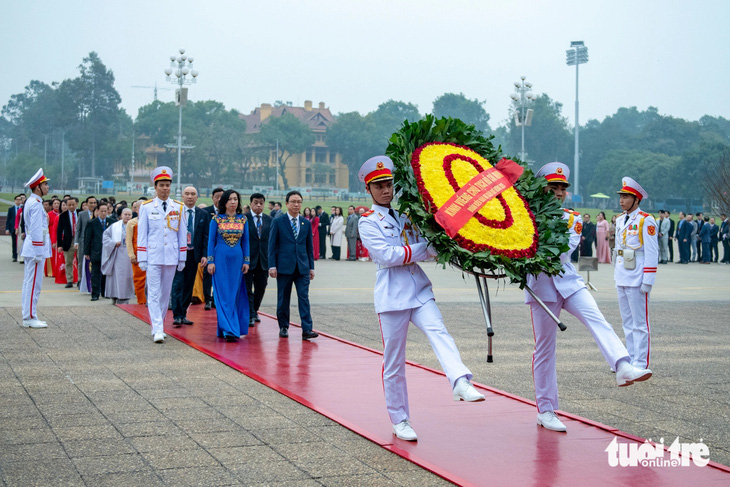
[
  {"x": 657, "y": 173},
  {"x": 355, "y": 137},
  {"x": 218, "y": 135},
  {"x": 389, "y": 117},
  {"x": 717, "y": 182},
  {"x": 459, "y": 106},
  {"x": 98, "y": 113},
  {"x": 293, "y": 136}
]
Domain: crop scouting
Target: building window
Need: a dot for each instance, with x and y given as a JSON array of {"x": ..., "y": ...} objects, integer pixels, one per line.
[{"x": 320, "y": 155}]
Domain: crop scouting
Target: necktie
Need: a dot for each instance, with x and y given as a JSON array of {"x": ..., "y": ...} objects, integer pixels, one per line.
[
  {"x": 103, "y": 224},
  {"x": 626, "y": 220},
  {"x": 73, "y": 220},
  {"x": 190, "y": 228},
  {"x": 164, "y": 206},
  {"x": 294, "y": 228},
  {"x": 258, "y": 225},
  {"x": 392, "y": 214}
]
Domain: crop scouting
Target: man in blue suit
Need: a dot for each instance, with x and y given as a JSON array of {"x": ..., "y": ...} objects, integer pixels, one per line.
[
  {"x": 10, "y": 224},
  {"x": 291, "y": 260}
]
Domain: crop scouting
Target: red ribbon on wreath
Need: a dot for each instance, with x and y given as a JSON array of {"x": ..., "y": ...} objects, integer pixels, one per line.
[{"x": 482, "y": 188}]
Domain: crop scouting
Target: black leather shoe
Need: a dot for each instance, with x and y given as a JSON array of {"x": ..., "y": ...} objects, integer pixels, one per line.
[
  {"x": 256, "y": 318},
  {"x": 69, "y": 285},
  {"x": 283, "y": 333},
  {"x": 176, "y": 323},
  {"x": 251, "y": 322},
  {"x": 231, "y": 338},
  {"x": 95, "y": 298},
  {"x": 306, "y": 335},
  {"x": 186, "y": 321},
  {"x": 208, "y": 305}
]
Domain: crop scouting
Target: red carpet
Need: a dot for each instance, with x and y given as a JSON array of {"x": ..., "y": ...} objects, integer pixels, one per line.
[{"x": 495, "y": 442}]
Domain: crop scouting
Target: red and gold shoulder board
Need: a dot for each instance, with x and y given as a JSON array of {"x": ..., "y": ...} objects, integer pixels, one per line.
[
  {"x": 368, "y": 213},
  {"x": 644, "y": 214},
  {"x": 575, "y": 213}
]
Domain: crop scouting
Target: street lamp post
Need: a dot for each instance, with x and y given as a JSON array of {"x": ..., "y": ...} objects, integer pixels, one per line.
[
  {"x": 577, "y": 55},
  {"x": 182, "y": 67},
  {"x": 523, "y": 98}
]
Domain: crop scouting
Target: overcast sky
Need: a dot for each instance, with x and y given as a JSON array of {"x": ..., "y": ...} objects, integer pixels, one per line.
[{"x": 354, "y": 55}]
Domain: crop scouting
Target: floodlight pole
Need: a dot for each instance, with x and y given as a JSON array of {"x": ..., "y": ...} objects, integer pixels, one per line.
[{"x": 576, "y": 56}]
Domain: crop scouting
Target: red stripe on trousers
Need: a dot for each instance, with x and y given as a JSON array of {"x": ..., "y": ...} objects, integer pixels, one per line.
[{"x": 32, "y": 292}]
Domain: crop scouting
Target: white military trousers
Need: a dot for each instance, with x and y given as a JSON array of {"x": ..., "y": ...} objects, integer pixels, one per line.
[
  {"x": 394, "y": 329},
  {"x": 581, "y": 305},
  {"x": 32, "y": 281},
  {"x": 634, "y": 306},
  {"x": 159, "y": 285}
]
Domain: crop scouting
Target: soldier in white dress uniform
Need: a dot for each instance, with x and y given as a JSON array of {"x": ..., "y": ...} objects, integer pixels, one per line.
[
  {"x": 36, "y": 248},
  {"x": 568, "y": 291},
  {"x": 403, "y": 294},
  {"x": 637, "y": 255},
  {"x": 162, "y": 237}
]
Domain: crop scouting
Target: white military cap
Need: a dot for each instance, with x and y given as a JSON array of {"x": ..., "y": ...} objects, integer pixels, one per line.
[
  {"x": 632, "y": 187},
  {"x": 378, "y": 168},
  {"x": 555, "y": 172},
  {"x": 161, "y": 173},
  {"x": 37, "y": 179}
]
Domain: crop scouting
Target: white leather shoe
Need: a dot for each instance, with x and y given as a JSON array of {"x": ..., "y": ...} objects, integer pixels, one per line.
[
  {"x": 159, "y": 337},
  {"x": 627, "y": 374},
  {"x": 34, "y": 323},
  {"x": 464, "y": 391},
  {"x": 549, "y": 420},
  {"x": 404, "y": 431}
]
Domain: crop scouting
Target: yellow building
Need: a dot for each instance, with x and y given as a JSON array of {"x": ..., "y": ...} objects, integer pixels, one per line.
[{"x": 316, "y": 168}]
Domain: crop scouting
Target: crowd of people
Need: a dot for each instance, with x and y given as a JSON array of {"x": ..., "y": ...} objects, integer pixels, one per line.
[
  {"x": 165, "y": 252},
  {"x": 695, "y": 238}
]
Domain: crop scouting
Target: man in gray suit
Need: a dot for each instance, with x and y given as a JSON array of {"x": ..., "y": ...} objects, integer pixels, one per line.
[
  {"x": 351, "y": 233},
  {"x": 80, "y": 242}
]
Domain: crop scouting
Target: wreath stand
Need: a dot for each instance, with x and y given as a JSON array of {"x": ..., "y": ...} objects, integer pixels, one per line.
[{"x": 481, "y": 276}]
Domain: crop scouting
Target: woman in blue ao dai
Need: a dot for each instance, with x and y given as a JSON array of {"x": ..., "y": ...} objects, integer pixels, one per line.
[{"x": 228, "y": 261}]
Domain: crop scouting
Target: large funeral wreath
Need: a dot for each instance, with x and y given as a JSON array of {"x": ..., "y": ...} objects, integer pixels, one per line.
[{"x": 519, "y": 232}]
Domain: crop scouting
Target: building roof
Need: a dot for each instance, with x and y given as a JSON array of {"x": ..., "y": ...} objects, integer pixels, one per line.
[{"x": 317, "y": 119}]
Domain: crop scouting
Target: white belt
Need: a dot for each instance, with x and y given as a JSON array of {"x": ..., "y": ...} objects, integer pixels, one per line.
[
  {"x": 382, "y": 266},
  {"x": 637, "y": 253}
]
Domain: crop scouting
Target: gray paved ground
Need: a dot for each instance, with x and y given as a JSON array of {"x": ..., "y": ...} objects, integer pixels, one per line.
[{"x": 91, "y": 401}]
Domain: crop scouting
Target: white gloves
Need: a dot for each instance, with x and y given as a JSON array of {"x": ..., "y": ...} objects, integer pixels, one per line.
[
  {"x": 143, "y": 266},
  {"x": 431, "y": 251},
  {"x": 180, "y": 266},
  {"x": 38, "y": 259},
  {"x": 645, "y": 288}
]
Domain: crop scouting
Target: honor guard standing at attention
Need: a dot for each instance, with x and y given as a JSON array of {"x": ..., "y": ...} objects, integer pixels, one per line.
[
  {"x": 568, "y": 291},
  {"x": 36, "y": 248},
  {"x": 403, "y": 294},
  {"x": 162, "y": 237},
  {"x": 637, "y": 255}
]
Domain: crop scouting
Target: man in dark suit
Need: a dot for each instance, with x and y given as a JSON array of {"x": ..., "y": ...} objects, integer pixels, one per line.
[
  {"x": 725, "y": 239},
  {"x": 65, "y": 234},
  {"x": 684, "y": 235},
  {"x": 714, "y": 231},
  {"x": 351, "y": 233},
  {"x": 80, "y": 242},
  {"x": 197, "y": 221},
  {"x": 257, "y": 277},
  {"x": 207, "y": 279},
  {"x": 291, "y": 260},
  {"x": 671, "y": 235},
  {"x": 10, "y": 225},
  {"x": 93, "y": 245},
  {"x": 587, "y": 236},
  {"x": 324, "y": 230}
]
